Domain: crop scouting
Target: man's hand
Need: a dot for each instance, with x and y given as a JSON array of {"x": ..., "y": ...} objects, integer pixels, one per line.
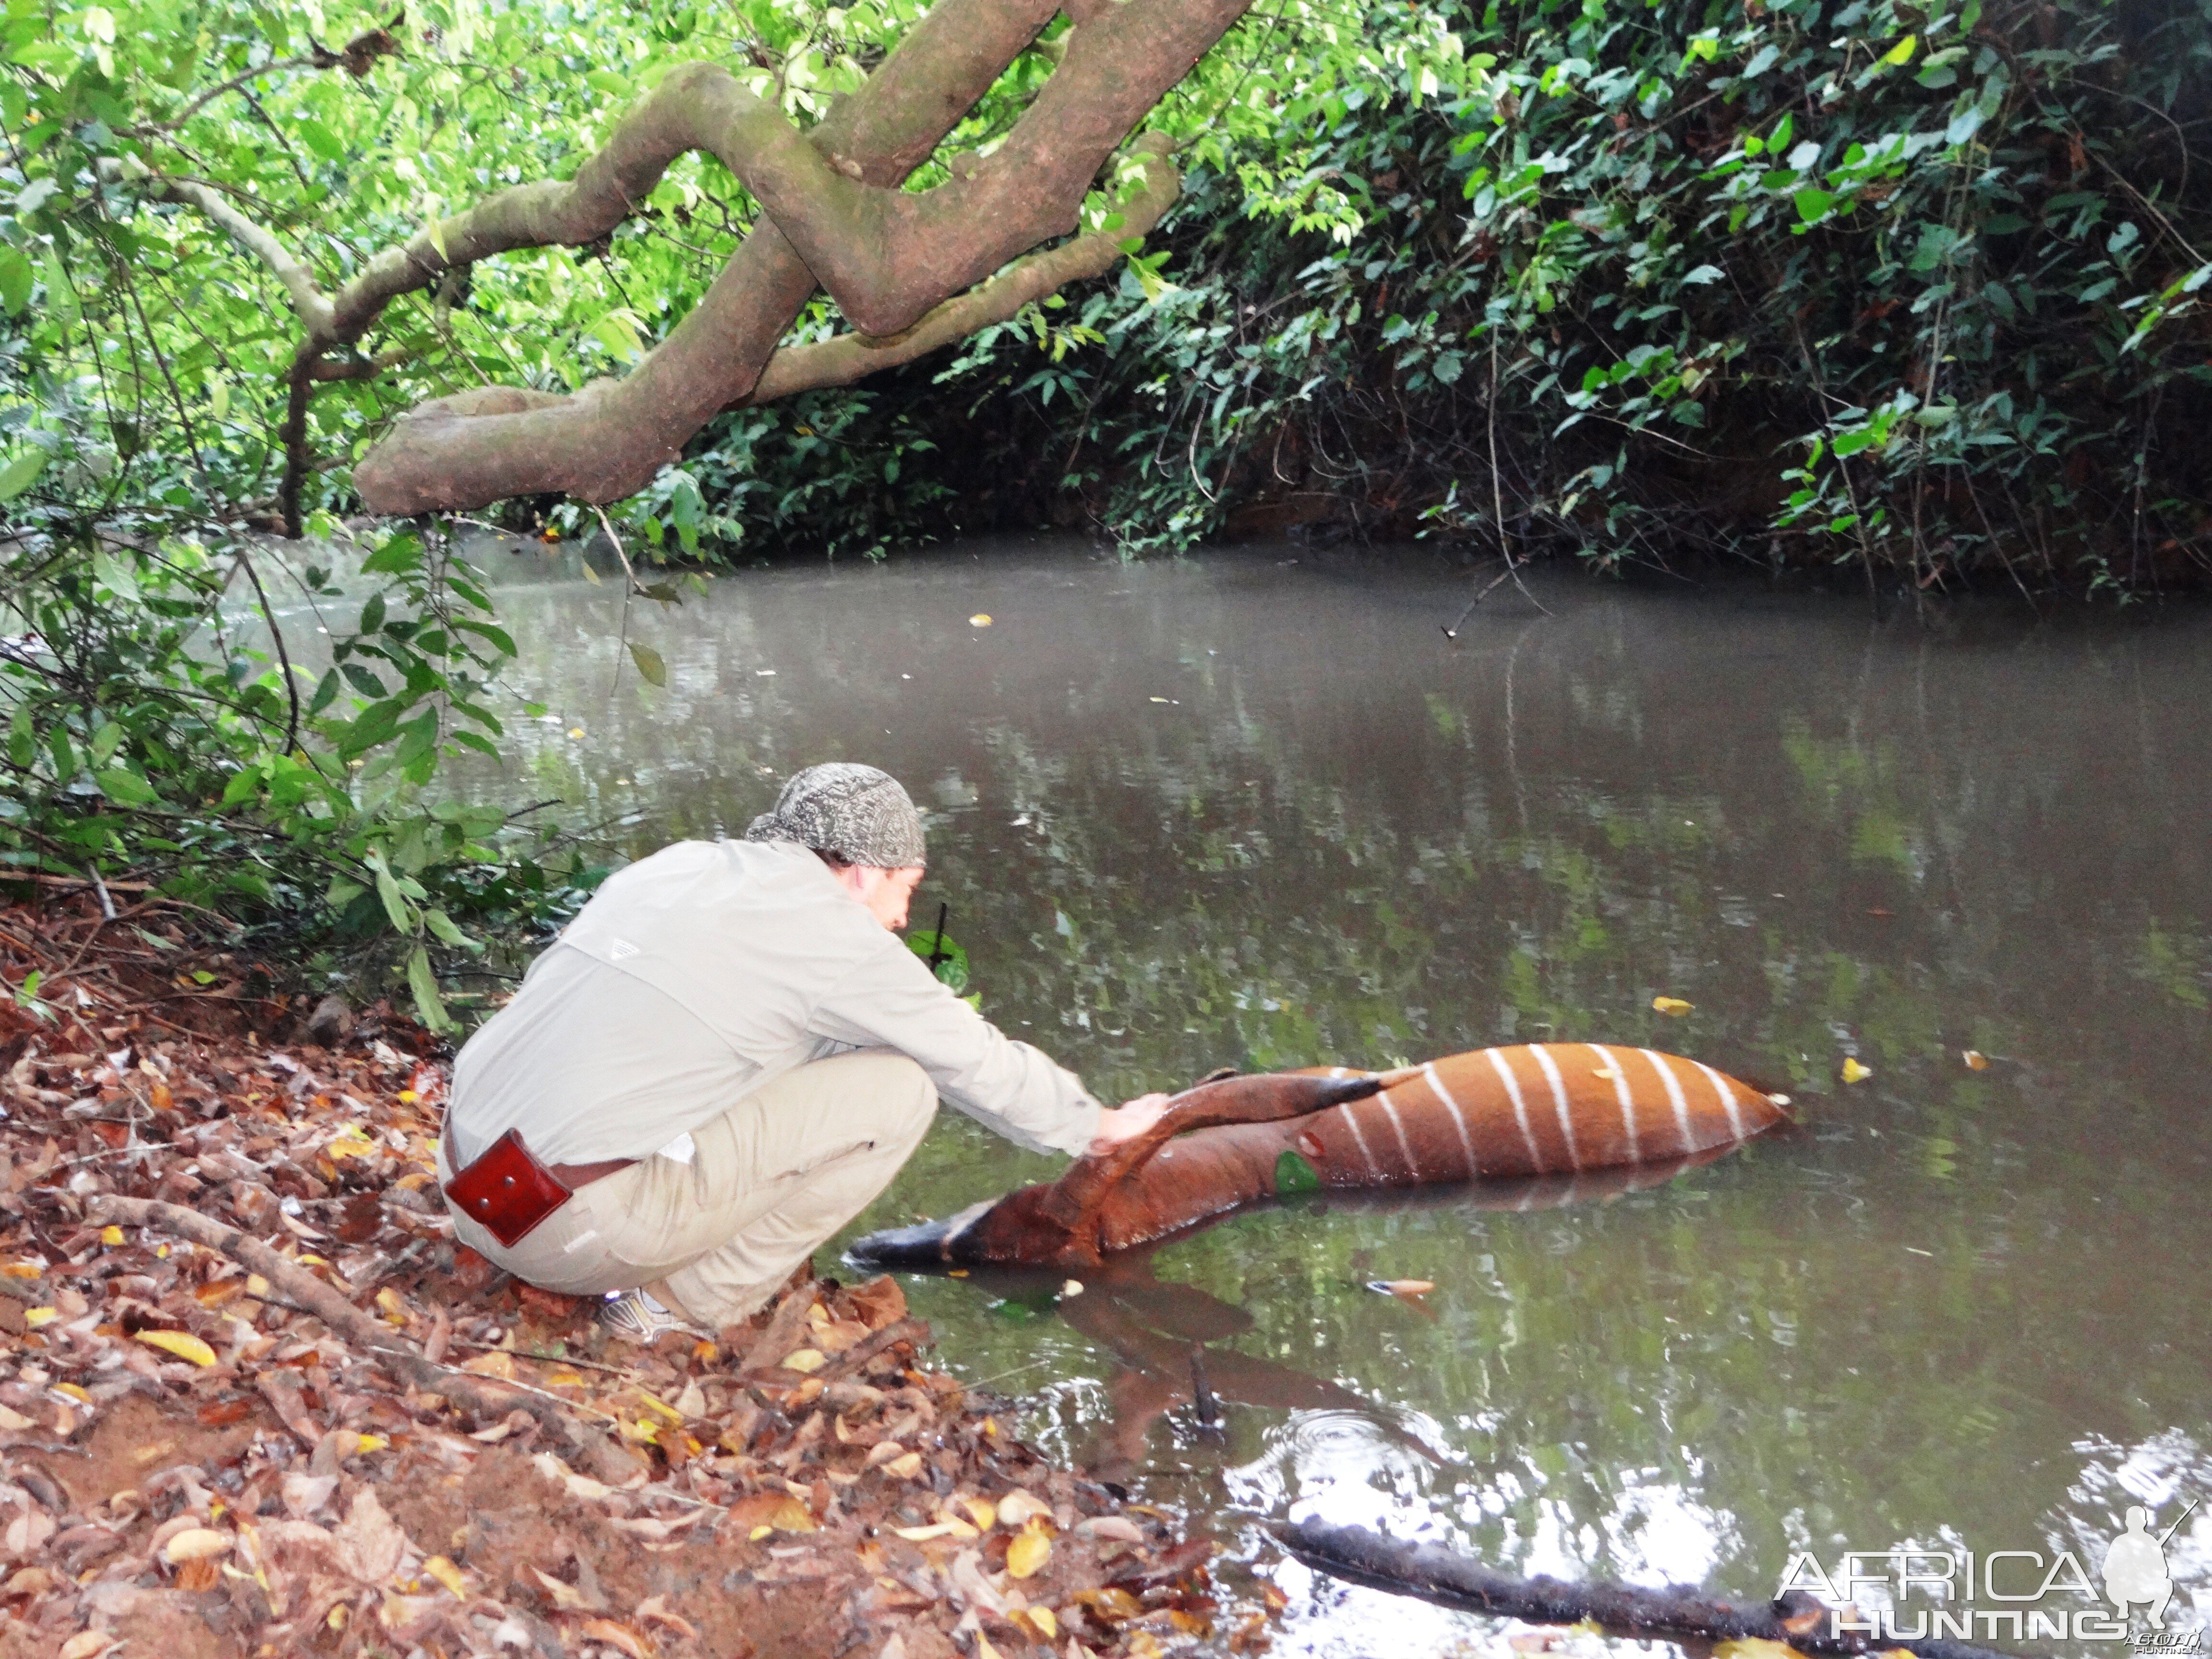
[{"x": 1125, "y": 1122}]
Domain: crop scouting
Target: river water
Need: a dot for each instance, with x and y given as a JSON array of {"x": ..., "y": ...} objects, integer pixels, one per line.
[{"x": 1256, "y": 809}]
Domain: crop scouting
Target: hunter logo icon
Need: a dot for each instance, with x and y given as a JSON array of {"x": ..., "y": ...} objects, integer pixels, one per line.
[{"x": 2134, "y": 1566}]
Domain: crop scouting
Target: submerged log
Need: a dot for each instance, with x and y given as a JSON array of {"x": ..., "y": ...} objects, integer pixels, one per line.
[{"x": 1451, "y": 1580}]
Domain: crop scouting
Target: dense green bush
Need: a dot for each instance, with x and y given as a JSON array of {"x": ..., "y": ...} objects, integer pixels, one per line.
[
  {"x": 1834, "y": 281},
  {"x": 1811, "y": 281}
]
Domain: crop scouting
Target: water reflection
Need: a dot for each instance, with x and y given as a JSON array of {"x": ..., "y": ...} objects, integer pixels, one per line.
[{"x": 1246, "y": 812}]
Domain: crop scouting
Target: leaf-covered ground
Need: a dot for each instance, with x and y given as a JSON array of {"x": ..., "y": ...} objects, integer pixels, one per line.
[{"x": 192, "y": 1462}]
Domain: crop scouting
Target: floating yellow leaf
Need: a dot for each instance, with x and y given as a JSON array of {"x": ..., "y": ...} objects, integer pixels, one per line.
[
  {"x": 111, "y": 1234},
  {"x": 806, "y": 1360},
  {"x": 35, "y": 1317},
  {"x": 1674, "y": 1006},
  {"x": 196, "y": 1544},
  {"x": 1029, "y": 1551},
  {"x": 448, "y": 1575},
  {"x": 182, "y": 1344},
  {"x": 981, "y": 619},
  {"x": 1855, "y": 1072},
  {"x": 1754, "y": 1647},
  {"x": 1976, "y": 1059}
]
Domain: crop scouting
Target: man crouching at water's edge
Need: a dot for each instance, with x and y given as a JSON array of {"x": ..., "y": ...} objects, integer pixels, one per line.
[{"x": 723, "y": 1058}]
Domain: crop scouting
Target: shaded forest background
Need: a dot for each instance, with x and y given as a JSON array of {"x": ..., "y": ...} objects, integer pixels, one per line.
[{"x": 1907, "y": 290}]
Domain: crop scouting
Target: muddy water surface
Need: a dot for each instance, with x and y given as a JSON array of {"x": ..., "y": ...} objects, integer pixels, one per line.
[{"x": 1251, "y": 811}]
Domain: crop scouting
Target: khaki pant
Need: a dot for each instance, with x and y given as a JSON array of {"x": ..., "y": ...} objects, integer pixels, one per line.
[{"x": 768, "y": 1180}]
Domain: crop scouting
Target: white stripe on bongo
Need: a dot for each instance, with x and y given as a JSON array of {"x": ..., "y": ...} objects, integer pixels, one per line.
[
  {"x": 1543, "y": 1053},
  {"x": 1412, "y": 1169},
  {"x": 1520, "y": 1109},
  {"x": 1459, "y": 1118},
  {"x": 1674, "y": 1094},
  {"x": 1605, "y": 1060},
  {"x": 1374, "y": 1173},
  {"x": 1728, "y": 1096}
]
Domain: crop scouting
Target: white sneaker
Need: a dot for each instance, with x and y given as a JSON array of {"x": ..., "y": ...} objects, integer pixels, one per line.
[{"x": 638, "y": 1317}]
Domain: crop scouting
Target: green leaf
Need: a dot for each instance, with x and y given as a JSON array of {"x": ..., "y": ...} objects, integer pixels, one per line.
[
  {"x": 125, "y": 787},
  {"x": 404, "y": 552},
  {"x": 14, "y": 280},
  {"x": 1903, "y": 51},
  {"x": 21, "y": 473},
  {"x": 424, "y": 984},
  {"x": 371, "y": 614},
  {"x": 1812, "y": 204},
  {"x": 1293, "y": 1175},
  {"x": 442, "y": 926},
  {"x": 396, "y": 907},
  {"x": 648, "y": 663},
  {"x": 951, "y": 960},
  {"x": 320, "y": 139},
  {"x": 617, "y": 331}
]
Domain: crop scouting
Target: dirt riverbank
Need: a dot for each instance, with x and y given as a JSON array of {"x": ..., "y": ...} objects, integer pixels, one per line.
[{"x": 371, "y": 1442}]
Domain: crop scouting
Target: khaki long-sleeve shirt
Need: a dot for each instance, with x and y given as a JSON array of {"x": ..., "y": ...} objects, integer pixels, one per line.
[{"x": 695, "y": 976}]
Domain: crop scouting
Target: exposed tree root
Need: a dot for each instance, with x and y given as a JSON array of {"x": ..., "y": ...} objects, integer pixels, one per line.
[{"x": 1452, "y": 1580}]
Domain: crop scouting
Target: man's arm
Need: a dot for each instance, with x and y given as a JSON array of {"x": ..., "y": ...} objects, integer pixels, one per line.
[{"x": 890, "y": 1000}]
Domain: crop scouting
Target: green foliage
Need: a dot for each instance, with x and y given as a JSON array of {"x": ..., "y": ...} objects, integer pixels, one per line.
[{"x": 1830, "y": 281}]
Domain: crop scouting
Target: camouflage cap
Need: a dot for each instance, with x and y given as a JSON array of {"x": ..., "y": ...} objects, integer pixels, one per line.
[{"x": 853, "y": 812}]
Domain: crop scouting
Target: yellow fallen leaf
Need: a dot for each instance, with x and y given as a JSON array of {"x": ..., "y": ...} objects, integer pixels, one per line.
[
  {"x": 1976, "y": 1059},
  {"x": 1855, "y": 1072},
  {"x": 1029, "y": 1551},
  {"x": 76, "y": 1391},
  {"x": 196, "y": 1544},
  {"x": 1019, "y": 1506},
  {"x": 1674, "y": 1006},
  {"x": 448, "y": 1575},
  {"x": 981, "y": 619},
  {"x": 34, "y": 1317},
  {"x": 759, "y": 1533},
  {"x": 111, "y": 1234},
  {"x": 1044, "y": 1620},
  {"x": 922, "y": 1535},
  {"x": 905, "y": 1467},
  {"x": 983, "y": 1511},
  {"x": 22, "y": 1270},
  {"x": 663, "y": 1408},
  {"x": 389, "y": 1304},
  {"x": 792, "y": 1516},
  {"x": 182, "y": 1344},
  {"x": 369, "y": 1443},
  {"x": 86, "y": 1644},
  {"x": 257, "y": 1287},
  {"x": 336, "y": 1618},
  {"x": 806, "y": 1360},
  {"x": 621, "y": 1637},
  {"x": 14, "y": 1422},
  {"x": 566, "y": 1597},
  {"x": 407, "y": 1097},
  {"x": 983, "y": 1647}
]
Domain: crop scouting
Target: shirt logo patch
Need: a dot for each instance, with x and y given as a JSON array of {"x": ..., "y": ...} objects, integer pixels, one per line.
[{"x": 617, "y": 949}]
